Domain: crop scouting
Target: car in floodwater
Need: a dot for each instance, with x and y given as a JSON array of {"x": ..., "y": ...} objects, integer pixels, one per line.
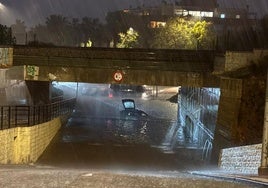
[{"x": 133, "y": 123}]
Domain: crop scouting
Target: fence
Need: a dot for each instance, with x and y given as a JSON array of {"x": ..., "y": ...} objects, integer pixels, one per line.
[{"x": 16, "y": 116}]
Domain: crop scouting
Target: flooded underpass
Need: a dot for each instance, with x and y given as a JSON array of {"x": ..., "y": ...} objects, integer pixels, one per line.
[
  {"x": 103, "y": 133},
  {"x": 116, "y": 140}
]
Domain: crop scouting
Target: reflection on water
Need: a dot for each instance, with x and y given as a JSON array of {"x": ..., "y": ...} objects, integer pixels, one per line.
[
  {"x": 100, "y": 116},
  {"x": 116, "y": 130}
]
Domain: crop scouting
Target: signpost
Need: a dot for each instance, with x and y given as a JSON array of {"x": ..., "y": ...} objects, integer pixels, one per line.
[{"x": 118, "y": 76}]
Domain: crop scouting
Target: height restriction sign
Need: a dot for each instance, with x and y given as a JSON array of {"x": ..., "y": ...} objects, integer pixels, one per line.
[{"x": 118, "y": 76}]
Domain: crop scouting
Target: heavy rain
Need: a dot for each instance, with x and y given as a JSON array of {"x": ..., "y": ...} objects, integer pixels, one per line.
[{"x": 136, "y": 107}]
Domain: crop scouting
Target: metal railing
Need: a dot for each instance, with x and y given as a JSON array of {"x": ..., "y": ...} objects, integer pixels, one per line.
[{"x": 22, "y": 116}]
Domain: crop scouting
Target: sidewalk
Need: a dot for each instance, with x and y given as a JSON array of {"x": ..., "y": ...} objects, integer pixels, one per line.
[
  {"x": 13, "y": 176},
  {"x": 228, "y": 175}
]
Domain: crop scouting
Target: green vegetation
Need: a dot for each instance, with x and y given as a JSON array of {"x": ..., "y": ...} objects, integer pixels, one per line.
[
  {"x": 181, "y": 33},
  {"x": 128, "y": 39},
  {"x": 178, "y": 33}
]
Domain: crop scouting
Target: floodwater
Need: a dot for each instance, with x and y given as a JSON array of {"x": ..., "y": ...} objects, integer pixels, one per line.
[
  {"x": 99, "y": 148},
  {"x": 101, "y": 134}
]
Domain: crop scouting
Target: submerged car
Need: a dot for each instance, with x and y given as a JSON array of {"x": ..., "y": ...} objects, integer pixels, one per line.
[{"x": 133, "y": 123}]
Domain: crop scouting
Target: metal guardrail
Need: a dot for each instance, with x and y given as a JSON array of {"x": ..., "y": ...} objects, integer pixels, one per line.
[{"x": 23, "y": 116}]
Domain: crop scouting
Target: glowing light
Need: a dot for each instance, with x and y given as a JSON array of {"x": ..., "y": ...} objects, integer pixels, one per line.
[{"x": 2, "y": 6}]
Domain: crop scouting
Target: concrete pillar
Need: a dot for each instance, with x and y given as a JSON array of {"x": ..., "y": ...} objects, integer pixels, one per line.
[
  {"x": 227, "y": 119},
  {"x": 263, "y": 169},
  {"x": 40, "y": 91}
]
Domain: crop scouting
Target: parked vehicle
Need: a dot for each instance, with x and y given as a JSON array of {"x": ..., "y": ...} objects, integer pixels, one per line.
[{"x": 127, "y": 90}]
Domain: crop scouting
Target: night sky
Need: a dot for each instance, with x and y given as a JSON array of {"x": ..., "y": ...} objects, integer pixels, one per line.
[{"x": 35, "y": 11}]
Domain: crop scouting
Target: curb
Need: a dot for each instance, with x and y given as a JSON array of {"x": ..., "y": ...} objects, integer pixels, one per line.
[{"x": 239, "y": 178}]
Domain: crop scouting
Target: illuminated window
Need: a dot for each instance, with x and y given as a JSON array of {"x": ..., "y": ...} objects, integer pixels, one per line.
[
  {"x": 185, "y": 13},
  {"x": 195, "y": 13},
  {"x": 145, "y": 13},
  {"x": 222, "y": 15},
  {"x": 155, "y": 24},
  {"x": 207, "y": 14},
  {"x": 237, "y": 16},
  {"x": 161, "y": 24}
]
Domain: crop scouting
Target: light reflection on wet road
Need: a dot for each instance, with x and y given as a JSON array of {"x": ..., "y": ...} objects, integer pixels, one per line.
[
  {"x": 99, "y": 157},
  {"x": 93, "y": 136}
]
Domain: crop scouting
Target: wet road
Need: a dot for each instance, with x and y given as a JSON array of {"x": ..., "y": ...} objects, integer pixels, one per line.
[
  {"x": 87, "y": 152},
  {"x": 49, "y": 177},
  {"x": 91, "y": 139}
]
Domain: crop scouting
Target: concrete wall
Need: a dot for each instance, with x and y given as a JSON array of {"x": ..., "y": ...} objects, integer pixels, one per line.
[
  {"x": 244, "y": 160},
  {"x": 241, "y": 108},
  {"x": 227, "y": 119},
  {"x": 23, "y": 145},
  {"x": 241, "y": 112}
]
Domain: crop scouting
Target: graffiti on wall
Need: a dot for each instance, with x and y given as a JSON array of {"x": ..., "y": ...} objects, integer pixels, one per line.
[
  {"x": 6, "y": 57},
  {"x": 31, "y": 72}
]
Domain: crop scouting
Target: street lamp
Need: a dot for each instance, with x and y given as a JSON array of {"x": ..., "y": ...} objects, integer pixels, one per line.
[
  {"x": 1, "y": 10},
  {"x": 2, "y": 6},
  {"x": 3, "y": 13}
]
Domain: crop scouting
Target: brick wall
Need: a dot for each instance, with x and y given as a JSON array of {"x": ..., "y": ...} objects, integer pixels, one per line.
[
  {"x": 244, "y": 159},
  {"x": 23, "y": 145}
]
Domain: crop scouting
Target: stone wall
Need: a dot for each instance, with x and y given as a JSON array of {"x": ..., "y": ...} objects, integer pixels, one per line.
[
  {"x": 236, "y": 60},
  {"x": 23, "y": 145},
  {"x": 228, "y": 111},
  {"x": 241, "y": 112},
  {"x": 249, "y": 129},
  {"x": 244, "y": 160}
]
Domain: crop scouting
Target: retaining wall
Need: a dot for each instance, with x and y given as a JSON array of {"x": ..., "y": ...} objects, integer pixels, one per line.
[
  {"x": 236, "y": 60},
  {"x": 23, "y": 145},
  {"x": 244, "y": 159}
]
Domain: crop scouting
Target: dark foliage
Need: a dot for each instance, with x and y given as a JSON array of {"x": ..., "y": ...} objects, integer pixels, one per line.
[{"x": 6, "y": 36}]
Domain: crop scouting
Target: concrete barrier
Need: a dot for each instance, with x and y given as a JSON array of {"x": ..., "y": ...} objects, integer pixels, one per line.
[
  {"x": 24, "y": 145},
  {"x": 244, "y": 159}
]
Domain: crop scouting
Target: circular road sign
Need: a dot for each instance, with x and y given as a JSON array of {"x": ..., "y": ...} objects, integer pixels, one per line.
[{"x": 118, "y": 76}]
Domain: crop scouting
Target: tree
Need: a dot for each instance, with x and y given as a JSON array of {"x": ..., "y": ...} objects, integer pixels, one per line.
[
  {"x": 6, "y": 35},
  {"x": 115, "y": 23},
  {"x": 121, "y": 21},
  {"x": 91, "y": 30},
  {"x": 128, "y": 39},
  {"x": 180, "y": 33},
  {"x": 57, "y": 25},
  {"x": 203, "y": 35}
]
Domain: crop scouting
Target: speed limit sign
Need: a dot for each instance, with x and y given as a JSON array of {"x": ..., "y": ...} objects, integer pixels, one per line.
[{"x": 118, "y": 76}]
